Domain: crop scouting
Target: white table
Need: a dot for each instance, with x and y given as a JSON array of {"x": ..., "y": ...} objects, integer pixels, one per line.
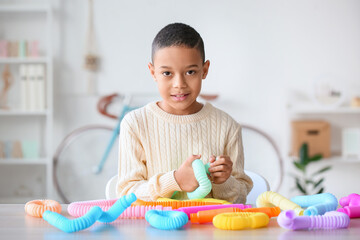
[{"x": 15, "y": 224}]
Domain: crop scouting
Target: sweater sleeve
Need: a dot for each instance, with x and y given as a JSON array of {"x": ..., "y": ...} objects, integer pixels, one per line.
[
  {"x": 132, "y": 172},
  {"x": 238, "y": 185}
]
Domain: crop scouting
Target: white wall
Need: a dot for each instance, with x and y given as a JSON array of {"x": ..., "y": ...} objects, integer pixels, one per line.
[{"x": 259, "y": 51}]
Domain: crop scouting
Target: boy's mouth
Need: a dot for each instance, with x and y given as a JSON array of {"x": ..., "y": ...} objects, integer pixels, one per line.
[{"x": 180, "y": 97}]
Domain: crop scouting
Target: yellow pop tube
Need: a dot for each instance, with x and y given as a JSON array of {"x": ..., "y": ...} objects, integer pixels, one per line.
[
  {"x": 271, "y": 199},
  {"x": 240, "y": 220}
]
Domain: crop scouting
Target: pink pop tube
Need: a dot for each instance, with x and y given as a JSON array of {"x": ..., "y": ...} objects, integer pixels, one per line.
[
  {"x": 79, "y": 209},
  {"x": 351, "y": 211},
  {"x": 330, "y": 220},
  {"x": 190, "y": 210},
  {"x": 351, "y": 200}
]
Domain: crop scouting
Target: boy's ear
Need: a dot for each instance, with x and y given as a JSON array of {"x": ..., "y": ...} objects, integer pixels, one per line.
[
  {"x": 152, "y": 70},
  {"x": 205, "y": 69}
]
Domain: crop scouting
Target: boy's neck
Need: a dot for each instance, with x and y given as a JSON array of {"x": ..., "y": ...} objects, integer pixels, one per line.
[{"x": 196, "y": 107}]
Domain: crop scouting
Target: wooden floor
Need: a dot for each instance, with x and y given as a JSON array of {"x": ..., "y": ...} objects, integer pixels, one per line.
[{"x": 15, "y": 224}]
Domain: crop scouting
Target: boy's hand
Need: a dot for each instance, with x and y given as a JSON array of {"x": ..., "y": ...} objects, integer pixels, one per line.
[
  {"x": 185, "y": 176},
  {"x": 220, "y": 169}
]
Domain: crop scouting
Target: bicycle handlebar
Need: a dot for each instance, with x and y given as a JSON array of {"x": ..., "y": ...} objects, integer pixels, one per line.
[{"x": 104, "y": 102}]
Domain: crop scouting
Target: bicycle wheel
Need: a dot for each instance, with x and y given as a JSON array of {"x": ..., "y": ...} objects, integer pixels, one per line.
[{"x": 77, "y": 157}]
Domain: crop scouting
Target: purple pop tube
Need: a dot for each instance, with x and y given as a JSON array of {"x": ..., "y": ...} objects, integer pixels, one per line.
[
  {"x": 330, "y": 220},
  {"x": 351, "y": 200},
  {"x": 190, "y": 210},
  {"x": 351, "y": 211}
]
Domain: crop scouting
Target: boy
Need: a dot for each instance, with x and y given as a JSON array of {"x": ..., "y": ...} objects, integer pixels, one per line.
[{"x": 159, "y": 142}]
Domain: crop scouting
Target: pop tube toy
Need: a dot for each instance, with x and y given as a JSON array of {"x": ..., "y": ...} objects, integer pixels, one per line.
[
  {"x": 272, "y": 199},
  {"x": 351, "y": 200},
  {"x": 95, "y": 214},
  {"x": 351, "y": 211},
  {"x": 190, "y": 210},
  {"x": 36, "y": 208},
  {"x": 78, "y": 209},
  {"x": 208, "y": 215},
  {"x": 130, "y": 212},
  {"x": 240, "y": 220},
  {"x": 317, "y": 204},
  {"x": 175, "y": 204},
  {"x": 214, "y": 200},
  {"x": 330, "y": 220},
  {"x": 166, "y": 220},
  {"x": 204, "y": 182}
]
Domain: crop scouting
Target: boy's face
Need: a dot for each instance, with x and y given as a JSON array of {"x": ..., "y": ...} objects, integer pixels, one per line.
[{"x": 179, "y": 72}]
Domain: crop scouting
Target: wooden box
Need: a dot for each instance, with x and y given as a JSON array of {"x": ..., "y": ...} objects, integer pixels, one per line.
[{"x": 315, "y": 133}]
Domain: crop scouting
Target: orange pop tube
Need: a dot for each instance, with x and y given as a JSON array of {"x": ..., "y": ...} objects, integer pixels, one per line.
[
  {"x": 270, "y": 211},
  {"x": 173, "y": 204},
  {"x": 208, "y": 215}
]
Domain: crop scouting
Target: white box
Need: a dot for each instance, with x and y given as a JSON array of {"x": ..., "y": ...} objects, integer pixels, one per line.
[{"x": 351, "y": 143}]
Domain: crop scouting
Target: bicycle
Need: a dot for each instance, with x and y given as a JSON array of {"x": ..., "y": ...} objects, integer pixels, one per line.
[
  {"x": 89, "y": 172},
  {"x": 79, "y": 160}
]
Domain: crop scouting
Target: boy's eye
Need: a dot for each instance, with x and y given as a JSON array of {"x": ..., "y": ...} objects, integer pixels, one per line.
[
  {"x": 190, "y": 72},
  {"x": 166, "y": 73}
]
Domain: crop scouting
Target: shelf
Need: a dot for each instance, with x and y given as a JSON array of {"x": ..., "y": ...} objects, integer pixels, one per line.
[
  {"x": 341, "y": 159},
  {"x": 23, "y": 113},
  {"x": 24, "y": 8},
  {"x": 318, "y": 110},
  {"x": 20, "y": 17},
  {"x": 23, "y": 60},
  {"x": 23, "y": 161}
]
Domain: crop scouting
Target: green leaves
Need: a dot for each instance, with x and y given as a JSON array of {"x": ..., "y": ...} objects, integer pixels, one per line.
[
  {"x": 318, "y": 182},
  {"x": 320, "y": 191},
  {"x": 315, "y": 158},
  {"x": 303, "y": 154},
  {"x": 299, "y": 187},
  {"x": 321, "y": 170},
  {"x": 301, "y": 164}
]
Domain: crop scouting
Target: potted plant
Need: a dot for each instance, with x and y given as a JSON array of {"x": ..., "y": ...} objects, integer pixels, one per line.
[{"x": 306, "y": 183}]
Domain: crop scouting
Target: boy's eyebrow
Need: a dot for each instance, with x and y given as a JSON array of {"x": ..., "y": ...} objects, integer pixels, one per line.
[
  {"x": 190, "y": 66},
  {"x": 193, "y": 65}
]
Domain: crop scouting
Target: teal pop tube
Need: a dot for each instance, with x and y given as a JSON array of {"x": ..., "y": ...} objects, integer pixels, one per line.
[
  {"x": 317, "y": 204},
  {"x": 204, "y": 182}
]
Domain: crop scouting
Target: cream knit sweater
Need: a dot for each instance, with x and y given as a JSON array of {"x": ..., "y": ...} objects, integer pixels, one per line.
[{"x": 154, "y": 143}]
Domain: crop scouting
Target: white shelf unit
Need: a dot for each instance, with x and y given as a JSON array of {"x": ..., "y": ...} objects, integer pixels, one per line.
[
  {"x": 301, "y": 110},
  {"x": 19, "y": 60},
  {"x": 344, "y": 170},
  {"x": 24, "y": 179},
  {"x": 341, "y": 117}
]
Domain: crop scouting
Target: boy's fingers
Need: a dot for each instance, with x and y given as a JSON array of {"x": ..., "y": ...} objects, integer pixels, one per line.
[{"x": 220, "y": 168}]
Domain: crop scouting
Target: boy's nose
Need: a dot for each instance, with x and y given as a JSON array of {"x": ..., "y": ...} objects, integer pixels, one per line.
[{"x": 179, "y": 82}]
